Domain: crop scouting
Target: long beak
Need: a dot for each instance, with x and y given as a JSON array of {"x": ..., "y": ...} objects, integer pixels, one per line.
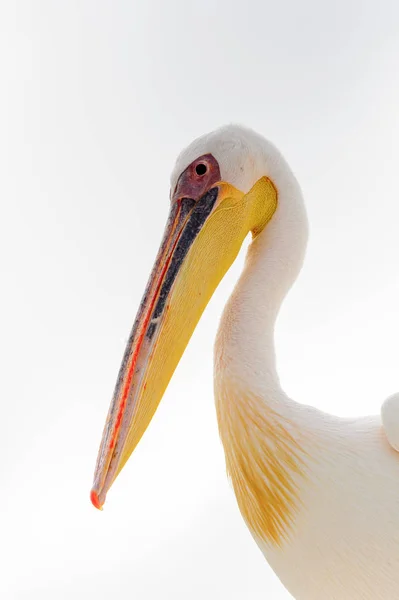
[{"x": 201, "y": 240}]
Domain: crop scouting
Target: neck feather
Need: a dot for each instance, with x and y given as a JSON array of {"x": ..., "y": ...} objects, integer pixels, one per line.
[
  {"x": 244, "y": 348},
  {"x": 258, "y": 423}
]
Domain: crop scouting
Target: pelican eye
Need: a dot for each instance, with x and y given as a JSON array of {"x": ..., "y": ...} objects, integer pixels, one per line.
[{"x": 201, "y": 169}]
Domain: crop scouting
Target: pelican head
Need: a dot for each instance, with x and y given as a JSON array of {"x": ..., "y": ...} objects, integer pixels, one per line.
[{"x": 224, "y": 186}]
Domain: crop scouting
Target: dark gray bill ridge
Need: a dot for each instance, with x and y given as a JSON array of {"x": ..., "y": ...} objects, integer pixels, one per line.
[
  {"x": 177, "y": 215},
  {"x": 198, "y": 216}
]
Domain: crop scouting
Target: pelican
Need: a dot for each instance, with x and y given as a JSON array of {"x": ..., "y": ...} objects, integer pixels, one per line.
[{"x": 319, "y": 494}]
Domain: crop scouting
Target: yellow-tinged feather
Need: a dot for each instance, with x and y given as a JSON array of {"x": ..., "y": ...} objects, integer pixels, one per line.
[{"x": 264, "y": 460}]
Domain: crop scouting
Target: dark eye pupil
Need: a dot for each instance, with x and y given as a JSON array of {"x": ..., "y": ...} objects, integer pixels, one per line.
[{"x": 200, "y": 169}]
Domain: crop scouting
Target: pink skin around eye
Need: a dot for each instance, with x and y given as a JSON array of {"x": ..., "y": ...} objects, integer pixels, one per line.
[{"x": 193, "y": 182}]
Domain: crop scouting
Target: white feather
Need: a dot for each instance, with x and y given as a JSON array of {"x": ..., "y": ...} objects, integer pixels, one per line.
[{"x": 344, "y": 544}]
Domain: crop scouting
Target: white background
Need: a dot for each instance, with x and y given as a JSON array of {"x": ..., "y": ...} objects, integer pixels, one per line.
[{"x": 96, "y": 100}]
